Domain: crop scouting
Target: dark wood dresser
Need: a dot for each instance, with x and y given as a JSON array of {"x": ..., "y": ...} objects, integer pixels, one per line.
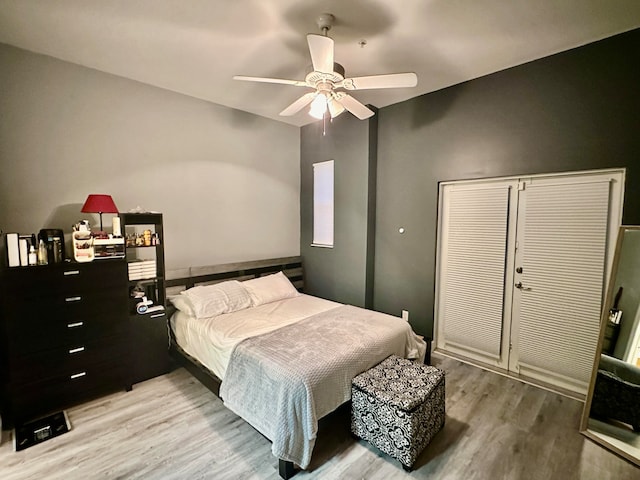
[{"x": 63, "y": 336}]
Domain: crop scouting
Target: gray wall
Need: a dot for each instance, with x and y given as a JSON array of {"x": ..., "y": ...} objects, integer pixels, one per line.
[
  {"x": 577, "y": 110},
  {"x": 345, "y": 272},
  {"x": 226, "y": 181}
]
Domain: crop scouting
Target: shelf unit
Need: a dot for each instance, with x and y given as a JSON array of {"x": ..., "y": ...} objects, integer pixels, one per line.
[
  {"x": 136, "y": 223},
  {"x": 149, "y": 333}
]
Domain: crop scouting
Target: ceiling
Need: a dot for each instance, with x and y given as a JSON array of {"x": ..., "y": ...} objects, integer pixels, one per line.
[{"x": 195, "y": 47}]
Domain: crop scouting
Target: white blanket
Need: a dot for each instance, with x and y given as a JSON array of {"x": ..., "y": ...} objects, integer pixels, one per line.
[
  {"x": 284, "y": 381},
  {"x": 211, "y": 340}
]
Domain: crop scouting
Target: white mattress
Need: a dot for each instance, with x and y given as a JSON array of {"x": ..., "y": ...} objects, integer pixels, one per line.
[{"x": 211, "y": 340}]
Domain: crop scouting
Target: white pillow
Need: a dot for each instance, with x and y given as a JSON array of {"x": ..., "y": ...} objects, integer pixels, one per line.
[
  {"x": 270, "y": 288},
  {"x": 238, "y": 297},
  {"x": 182, "y": 303},
  {"x": 216, "y": 299}
]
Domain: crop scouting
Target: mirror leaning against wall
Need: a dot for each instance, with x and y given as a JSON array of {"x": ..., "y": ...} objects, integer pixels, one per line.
[{"x": 612, "y": 411}]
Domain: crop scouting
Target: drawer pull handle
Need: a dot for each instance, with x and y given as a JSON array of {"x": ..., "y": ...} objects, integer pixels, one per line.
[
  {"x": 43, "y": 430},
  {"x": 78, "y": 375},
  {"x": 76, "y": 350},
  {"x": 75, "y": 325},
  {"x": 71, "y": 272},
  {"x": 73, "y": 299},
  {"x": 156, "y": 315}
]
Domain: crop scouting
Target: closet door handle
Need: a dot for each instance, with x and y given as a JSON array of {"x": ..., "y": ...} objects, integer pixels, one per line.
[
  {"x": 522, "y": 287},
  {"x": 71, "y": 272}
]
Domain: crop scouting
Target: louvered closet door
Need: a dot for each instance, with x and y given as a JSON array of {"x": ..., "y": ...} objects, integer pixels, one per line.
[
  {"x": 562, "y": 247},
  {"x": 472, "y": 250},
  {"x": 551, "y": 235}
]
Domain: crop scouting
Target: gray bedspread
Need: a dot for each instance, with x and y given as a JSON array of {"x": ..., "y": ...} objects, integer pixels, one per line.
[{"x": 284, "y": 381}]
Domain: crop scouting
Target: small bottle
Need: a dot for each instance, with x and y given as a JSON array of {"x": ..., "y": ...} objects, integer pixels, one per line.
[
  {"x": 146, "y": 235},
  {"x": 33, "y": 256},
  {"x": 42, "y": 253}
]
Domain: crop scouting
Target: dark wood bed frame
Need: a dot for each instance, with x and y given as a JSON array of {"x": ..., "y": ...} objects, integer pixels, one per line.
[{"x": 178, "y": 280}]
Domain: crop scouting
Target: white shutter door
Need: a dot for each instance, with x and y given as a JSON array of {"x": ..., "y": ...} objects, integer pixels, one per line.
[
  {"x": 472, "y": 268},
  {"x": 563, "y": 260}
]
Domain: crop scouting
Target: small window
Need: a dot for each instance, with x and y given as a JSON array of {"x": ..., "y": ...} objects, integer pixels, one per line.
[{"x": 323, "y": 204}]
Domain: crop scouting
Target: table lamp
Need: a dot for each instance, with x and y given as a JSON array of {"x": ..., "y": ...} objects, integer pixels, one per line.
[{"x": 98, "y": 203}]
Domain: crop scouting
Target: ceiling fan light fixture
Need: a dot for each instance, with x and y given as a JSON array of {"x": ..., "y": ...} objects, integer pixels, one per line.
[
  {"x": 335, "y": 107},
  {"x": 318, "y": 106}
]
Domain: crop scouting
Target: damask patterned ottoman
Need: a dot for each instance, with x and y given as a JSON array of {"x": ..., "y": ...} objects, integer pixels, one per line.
[{"x": 398, "y": 406}]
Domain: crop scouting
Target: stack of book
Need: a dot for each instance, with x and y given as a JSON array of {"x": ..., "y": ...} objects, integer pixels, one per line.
[{"x": 142, "y": 269}]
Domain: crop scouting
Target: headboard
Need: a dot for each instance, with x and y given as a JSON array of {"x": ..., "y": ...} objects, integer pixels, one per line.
[{"x": 180, "y": 279}]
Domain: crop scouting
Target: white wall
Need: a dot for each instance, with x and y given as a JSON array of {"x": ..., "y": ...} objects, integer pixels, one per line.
[{"x": 226, "y": 181}]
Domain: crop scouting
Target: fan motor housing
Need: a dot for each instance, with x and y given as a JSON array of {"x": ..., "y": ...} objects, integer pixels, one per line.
[{"x": 314, "y": 78}]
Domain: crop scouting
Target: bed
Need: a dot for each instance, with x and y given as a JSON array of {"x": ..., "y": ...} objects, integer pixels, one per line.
[{"x": 278, "y": 358}]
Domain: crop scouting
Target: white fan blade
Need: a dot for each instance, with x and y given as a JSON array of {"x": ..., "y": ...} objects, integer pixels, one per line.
[
  {"x": 392, "y": 80},
  {"x": 321, "y": 49},
  {"x": 299, "y": 104},
  {"x": 297, "y": 83},
  {"x": 354, "y": 106},
  {"x": 335, "y": 107}
]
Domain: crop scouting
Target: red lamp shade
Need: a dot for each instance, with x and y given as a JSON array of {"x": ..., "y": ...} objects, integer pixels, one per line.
[{"x": 98, "y": 203}]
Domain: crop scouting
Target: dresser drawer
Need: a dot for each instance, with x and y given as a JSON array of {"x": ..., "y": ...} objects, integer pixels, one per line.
[
  {"x": 66, "y": 277},
  {"x": 40, "y": 398},
  {"x": 36, "y": 307},
  {"x": 35, "y": 310},
  {"x": 34, "y": 335},
  {"x": 67, "y": 360}
]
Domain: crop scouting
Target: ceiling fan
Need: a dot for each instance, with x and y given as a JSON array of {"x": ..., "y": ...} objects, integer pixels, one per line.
[{"x": 328, "y": 81}]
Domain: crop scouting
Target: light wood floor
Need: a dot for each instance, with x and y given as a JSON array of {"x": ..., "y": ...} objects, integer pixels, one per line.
[{"x": 172, "y": 427}]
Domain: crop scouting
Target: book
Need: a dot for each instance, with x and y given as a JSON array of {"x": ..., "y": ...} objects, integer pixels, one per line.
[{"x": 13, "y": 250}]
